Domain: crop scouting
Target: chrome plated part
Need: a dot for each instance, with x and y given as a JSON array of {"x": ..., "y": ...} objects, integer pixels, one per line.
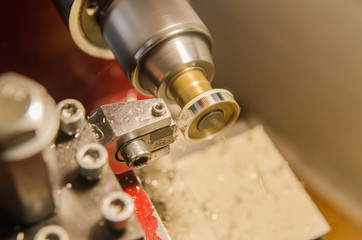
[
  {"x": 117, "y": 208},
  {"x": 136, "y": 153},
  {"x": 72, "y": 116},
  {"x": 92, "y": 159},
  {"x": 134, "y": 28},
  {"x": 51, "y": 232},
  {"x": 208, "y": 115},
  {"x": 170, "y": 59},
  {"x": 29, "y": 122},
  {"x": 122, "y": 123}
]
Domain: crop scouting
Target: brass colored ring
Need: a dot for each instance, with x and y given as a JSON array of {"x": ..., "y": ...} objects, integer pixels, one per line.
[{"x": 202, "y": 105}]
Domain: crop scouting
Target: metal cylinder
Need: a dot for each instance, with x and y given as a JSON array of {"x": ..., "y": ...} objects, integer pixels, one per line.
[
  {"x": 29, "y": 122},
  {"x": 136, "y": 153},
  {"x": 158, "y": 43},
  {"x": 92, "y": 159},
  {"x": 72, "y": 116},
  {"x": 154, "y": 40},
  {"x": 117, "y": 208},
  {"x": 51, "y": 232}
]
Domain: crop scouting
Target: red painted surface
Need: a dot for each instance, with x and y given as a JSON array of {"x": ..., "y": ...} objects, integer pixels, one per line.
[{"x": 143, "y": 207}]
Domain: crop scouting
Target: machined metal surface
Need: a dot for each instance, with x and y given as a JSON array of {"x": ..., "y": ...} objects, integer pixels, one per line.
[
  {"x": 208, "y": 115},
  {"x": 156, "y": 43},
  {"x": 28, "y": 124},
  {"x": 136, "y": 153},
  {"x": 51, "y": 232},
  {"x": 92, "y": 159},
  {"x": 170, "y": 59},
  {"x": 132, "y": 28},
  {"x": 121, "y": 123},
  {"x": 78, "y": 209},
  {"x": 117, "y": 208},
  {"x": 72, "y": 116}
]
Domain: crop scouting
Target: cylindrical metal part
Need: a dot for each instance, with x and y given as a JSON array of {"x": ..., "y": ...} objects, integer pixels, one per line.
[
  {"x": 72, "y": 116},
  {"x": 170, "y": 59},
  {"x": 51, "y": 232},
  {"x": 136, "y": 153},
  {"x": 29, "y": 122},
  {"x": 92, "y": 159},
  {"x": 165, "y": 50},
  {"x": 158, "y": 109},
  {"x": 189, "y": 85},
  {"x": 154, "y": 40},
  {"x": 208, "y": 115},
  {"x": 117, "y": 208}
]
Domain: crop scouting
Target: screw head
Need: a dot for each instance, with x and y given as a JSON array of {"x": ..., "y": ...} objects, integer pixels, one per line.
[{"x": 158, "y": 109}]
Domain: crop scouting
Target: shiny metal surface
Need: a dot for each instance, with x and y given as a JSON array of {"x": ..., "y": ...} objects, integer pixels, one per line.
[
  {"x": 210, "y": 120},
  {"x": 196, "y": 122},
  {"x": 51, "y": 232},
  {"x": 28, "y": 124},
  {"x": 120, "y": 123},
  {"x": 72, "y": 116},
  {"x": 168, "y": 60},
  {"x": 132, "y": 28},
  {"x": 136, "y": 153},
  {"x": 92, "y": 159},
  {"x": 117, "y": 208}
]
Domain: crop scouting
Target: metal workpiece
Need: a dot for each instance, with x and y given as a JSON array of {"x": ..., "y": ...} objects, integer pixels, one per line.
[
  {"x": 157, "y": 43},
  {"x": 72, "y": 116},
  {"x": 140, "y": 130},
  {"x": 208, "y": 115},
  {"x": 165, "y": 51},
  {"x": 51, "y": 232},
  {"x": 206, "y": 112},
  {"x": 29, "y": 122},
  {"x": 92, "y": 159},
  {"x": 117, "y": 208},
  {"x": 170, "y": 59},
  {"x": 138, "y": 31}
]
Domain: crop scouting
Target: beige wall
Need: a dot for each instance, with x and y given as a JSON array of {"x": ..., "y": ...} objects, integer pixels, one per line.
[{"x": 297, "y": 65}]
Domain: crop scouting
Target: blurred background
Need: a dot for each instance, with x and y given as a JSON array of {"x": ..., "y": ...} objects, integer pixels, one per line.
[{"x": 294, "y": 66}]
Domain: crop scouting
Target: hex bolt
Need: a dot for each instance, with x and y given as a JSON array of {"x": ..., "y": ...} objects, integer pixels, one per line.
[
  {"x": 92, "y": 159},
  {"x": 117, "y": 208},
  {"x": 72, "y": 116},
  {"x": 136, "y": 153},
  {"x": 51, "y": 232},
  {"x": 158, "y": 109}
]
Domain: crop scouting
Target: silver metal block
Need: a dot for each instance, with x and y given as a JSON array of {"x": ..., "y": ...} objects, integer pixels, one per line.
[{"x": 122, "y": 123}]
